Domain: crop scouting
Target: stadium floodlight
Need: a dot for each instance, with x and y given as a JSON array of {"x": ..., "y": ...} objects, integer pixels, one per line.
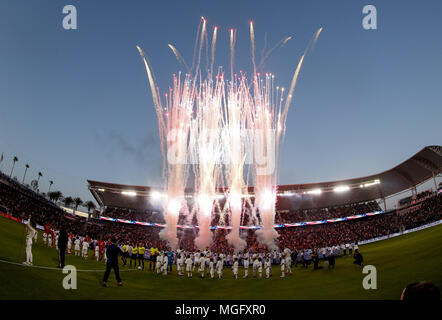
[
  {"x": 101, "y": 190},
  {"x": 314, "y": 191},
  {"x": 129, "y": 193},
  {"x": 156, "y": 195},
  {"x": 174, "y": 206},
  {"x": 368, "y": 184},
  {"x": 341, "y": 188}
]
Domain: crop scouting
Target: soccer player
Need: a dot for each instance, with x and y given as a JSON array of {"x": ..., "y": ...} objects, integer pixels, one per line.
[
  {"x": 259, "y": 267},
  {"x": 246, "y": 263},
  {"x": 97, "y": 252},
  {"x": 219, "y": 268},
  {"x": 31, "y": 234},
  {"x": 288, "y": 260},
  {"x": 202, "y": 266},
  {"x": 196, "y": 260},
  {"x": 282, "y": 267},
  {"x": 159, "y": 262},
  {"x": 85, "y": 247},
  {"x": 56, "y": 240},
  {"x": 134, "y": 256},
  {"x": 254, "y": 263},
  {"x": 235, "y": 268},
  {"x": 268, "y": 267},
  {"x": 141, "y": 251},
  {"x": 77, "y": 246},
  {"x": 169, "y": 255},
  {"x": 180, "y": 263},
  {"x": 165, "y": 264},
  {"x": 189, "y": 267},
  {"x": 50, "y": 240},
  {"x": 45, "y": 238},
  {"x": 212, "y": 267},
  {"x": 69, "y": 244}
]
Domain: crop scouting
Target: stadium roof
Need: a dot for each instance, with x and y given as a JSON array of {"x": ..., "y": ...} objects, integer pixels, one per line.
[{"x": 421, "y": 167}]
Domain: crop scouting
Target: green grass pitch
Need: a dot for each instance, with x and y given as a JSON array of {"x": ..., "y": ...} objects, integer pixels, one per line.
[{"x": 399, "y": 261}]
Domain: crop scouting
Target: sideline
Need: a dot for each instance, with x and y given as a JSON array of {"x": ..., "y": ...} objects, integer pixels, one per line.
[{"x": 58, "y": 269}]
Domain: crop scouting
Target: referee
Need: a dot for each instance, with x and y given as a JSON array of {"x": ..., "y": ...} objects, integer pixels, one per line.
[{"x": 141, "y": 250}]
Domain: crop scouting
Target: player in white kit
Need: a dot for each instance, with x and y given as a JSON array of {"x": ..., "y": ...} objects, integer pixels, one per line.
[
  {"x": 56, "y": 240},
  {"x": 189, "y": 266},
  {"x": 159, "y": 263},
  {"x": 164, "y": 266},
  {"x": 180, "y": 263},
  {"x": 31, "y": 234},
  {"x": 69, "y": 245},
  {"x": 235, "y": 268},
  {"x": 77, "y": 246},
  {"x": 282, "y": 267},
  {"x": 202, "y": 266},
  {"x": 97, "y": 252},
  {"x": 212, "y": 267},
  {"x": 254, "y": 259},
  {"x": 50, "y": 240},
  {"x": 219, "y": 268},
  {"x": 85, "y": 246},
  {"x": 288, "y": 260},
  {"x": 268, "y": 267},
  {"x": 246, "y": 264}
]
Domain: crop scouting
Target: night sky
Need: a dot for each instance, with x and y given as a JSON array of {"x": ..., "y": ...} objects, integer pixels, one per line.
[{"x": 75, "y": 104}]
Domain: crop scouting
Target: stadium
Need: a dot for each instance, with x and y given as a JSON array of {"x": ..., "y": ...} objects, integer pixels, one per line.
[
  {"x": 235, "y": 151},
  {"x": 403, "y": 244}
]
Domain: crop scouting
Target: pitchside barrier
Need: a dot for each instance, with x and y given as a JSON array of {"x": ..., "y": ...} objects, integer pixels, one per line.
[
  {"x": 400, "y": 233},
  {"x": 284, "y": 225}
]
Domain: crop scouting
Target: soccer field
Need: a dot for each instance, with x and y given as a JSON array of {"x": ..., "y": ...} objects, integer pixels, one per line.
[{"x": 399, "y": 261}]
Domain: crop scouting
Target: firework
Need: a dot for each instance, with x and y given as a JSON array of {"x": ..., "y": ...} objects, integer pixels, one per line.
[{"x": 209, "y": 127}]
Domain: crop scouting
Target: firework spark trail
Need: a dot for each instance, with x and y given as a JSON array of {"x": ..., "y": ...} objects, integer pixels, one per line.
[
  {"x": 232, "y": 50},
  {"x": 252, "y": 46},
  {"x": 178, "y": 56},
  {"x": 234, "y": 131},
  {"x": 215, "y": 29},
  {"x": 201, "y": 42},
  {"x": 270, "y": 117},
  {"x": 208, "y": 124},
  {"x": 281, "y": 43},
  {"x": 174, "y": 132}
]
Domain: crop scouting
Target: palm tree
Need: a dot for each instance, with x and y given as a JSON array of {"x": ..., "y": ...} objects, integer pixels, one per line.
[
  {"x": 15, "y": 159},
  {"x": 50, "y": 185},
  {"x": 77, "y": 202},
  {"x": 90, "y": 206},
  {"x": 68, "y": 201},
  {"x": 27, "y": 167},
  {"x": 55, "y": 195}
]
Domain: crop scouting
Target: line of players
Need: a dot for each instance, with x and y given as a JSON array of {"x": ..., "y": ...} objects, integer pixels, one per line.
[{"x": 203, "y": 262}]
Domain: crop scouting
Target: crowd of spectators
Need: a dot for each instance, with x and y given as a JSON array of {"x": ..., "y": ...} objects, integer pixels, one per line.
[{"x": 20, "y": 203}]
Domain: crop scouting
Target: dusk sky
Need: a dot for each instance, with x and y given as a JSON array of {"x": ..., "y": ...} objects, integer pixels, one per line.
[{"x": 75, "y": 104}]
